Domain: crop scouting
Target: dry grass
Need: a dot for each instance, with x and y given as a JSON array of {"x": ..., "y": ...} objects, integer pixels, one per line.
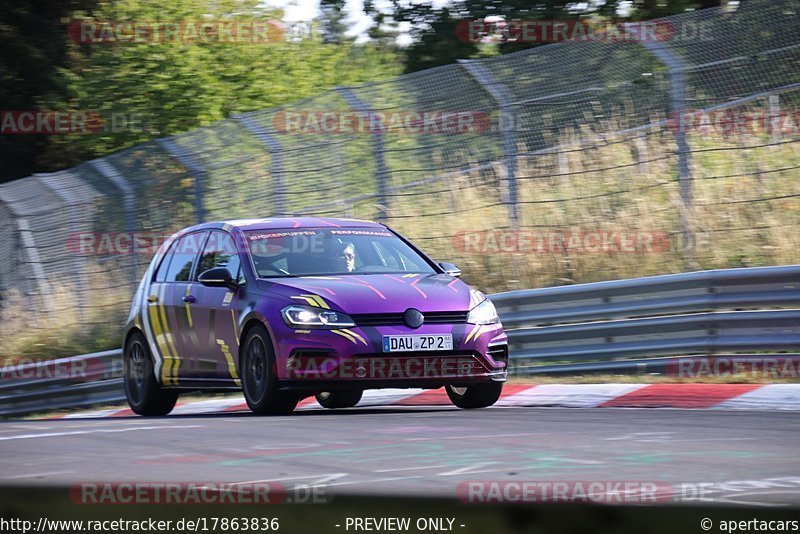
[
  {"x": 59, "y": 327},
  {"x": 742, "y": 210}
]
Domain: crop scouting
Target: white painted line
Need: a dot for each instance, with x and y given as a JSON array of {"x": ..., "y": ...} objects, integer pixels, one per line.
[
  {"x": 393, "y": 479},
  {"x": 568, "y": 395},
  {"x": 331, "y": 476},
  {"x": 34, "y": 475},
  {"x": 92, "y": 414},
  {"x": 572, "y": 460},
  {"x": 95, "y": 431},
  {"x": 733, "y": 499},
  {"x": 210, "y": 406},
  {"x": 473, "y": 436},
  {"x": 383, "y": 397},
  {"x": 767, "y": 397},
  {"x": 409, "y": 468},
  {"x": 466, "y": 469}
]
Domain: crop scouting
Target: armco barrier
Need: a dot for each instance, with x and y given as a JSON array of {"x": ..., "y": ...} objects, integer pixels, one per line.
[
  {"x": 595, "y": 327},
  {"x": 89, "y": 379},
  {"x": 705, "y": 312}
]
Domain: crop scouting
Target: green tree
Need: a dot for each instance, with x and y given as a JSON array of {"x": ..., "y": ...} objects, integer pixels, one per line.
[
  {"x": 33, "y": 39},
  {"x": 439, "y": 35},
  {"x": 172, "y": 87}
]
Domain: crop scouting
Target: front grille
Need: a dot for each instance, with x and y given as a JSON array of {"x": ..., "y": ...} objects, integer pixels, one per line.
[{"x": 389, "y": 319}]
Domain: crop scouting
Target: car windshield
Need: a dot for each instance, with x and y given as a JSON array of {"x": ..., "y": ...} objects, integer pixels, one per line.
[{"x": 334, "y": 251}]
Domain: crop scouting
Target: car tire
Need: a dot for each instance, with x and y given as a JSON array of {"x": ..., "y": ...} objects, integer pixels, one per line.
[
  {"x": 476, "y": 396},
  {"x": 144, "y": 394},
  {"x": 339, "y": 399},
  {"x": 260, "y": 376}
]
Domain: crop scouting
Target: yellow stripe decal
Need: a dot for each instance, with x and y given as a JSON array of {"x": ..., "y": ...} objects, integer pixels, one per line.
[
  {"x": 473, "y": 332},
  {"x": 162, "y": 343},
  {"x": 321, "y": 302},
  {"x": 312, "y": 300},
  {"x": 309, "y": 301},
  {"x": 155, "y": 326},
  {"x": 188, "y": 309},
  {"x": 355, "y": 335},
  {"x": 168, "y": 339},
  {"x": 345, "y": 335},
  {"x": 229, "y": 358}
]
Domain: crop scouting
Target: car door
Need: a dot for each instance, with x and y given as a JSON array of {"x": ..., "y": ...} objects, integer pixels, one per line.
[
  {"x": 216, "y": 309},
  {"x": 169, "y": 316}
]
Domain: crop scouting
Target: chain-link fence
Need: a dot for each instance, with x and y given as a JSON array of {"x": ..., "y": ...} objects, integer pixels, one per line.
[{"x": 577, "y": 161}]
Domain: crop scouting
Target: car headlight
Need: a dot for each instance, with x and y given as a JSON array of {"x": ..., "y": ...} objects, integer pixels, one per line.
[
  {"x": 483, "y": 313},
  {"x": 308, "y": 317}
]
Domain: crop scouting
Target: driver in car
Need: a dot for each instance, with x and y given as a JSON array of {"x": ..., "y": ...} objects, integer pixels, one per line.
[{"x": 347, "y": 258}]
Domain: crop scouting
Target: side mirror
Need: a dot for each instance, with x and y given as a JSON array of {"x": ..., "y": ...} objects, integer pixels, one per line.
[
  {"x": 450, "y": 268},
  {"x": 218, "y": 277}
]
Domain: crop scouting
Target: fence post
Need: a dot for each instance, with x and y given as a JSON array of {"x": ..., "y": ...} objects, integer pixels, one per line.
[
  {"x": 196, "y": 170},
  {"x": 774, "y": 122},
  {"x": 677, "y": 93},
  {"x": 381, "y": 170},
  {"x": 29, "y": 244},
  {"x": 69, "y": 200},
  {"x": 505, "y": 101},
  {"x": 276, "y": 161},
  {"x": 110, "y": 173}
]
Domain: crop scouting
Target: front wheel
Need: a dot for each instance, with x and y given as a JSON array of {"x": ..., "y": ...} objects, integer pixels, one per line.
[
  {"x": 477, "y": 396},
  {"x": 260, "y": 378},
  {"x": 339, "y": 399},
  {"x": 145, "y": 395}
]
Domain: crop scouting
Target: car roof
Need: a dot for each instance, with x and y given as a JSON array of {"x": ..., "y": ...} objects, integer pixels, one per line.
[{"x": 281, "y": 223}]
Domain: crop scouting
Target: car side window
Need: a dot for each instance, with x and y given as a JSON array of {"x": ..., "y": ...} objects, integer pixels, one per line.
[
  {"x": 220, "y": 251},
  {"x": 161, "y": 273},
  {"x": 183, "y": 257}
]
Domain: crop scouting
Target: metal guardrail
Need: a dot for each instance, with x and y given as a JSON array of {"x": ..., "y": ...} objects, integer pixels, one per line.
[
  {"x": 597, "y": 327},
  {"x": 86, "y": 380},
  {"x": 705, "y": 312}
]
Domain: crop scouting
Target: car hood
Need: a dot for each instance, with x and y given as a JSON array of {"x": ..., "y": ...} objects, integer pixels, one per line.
[{"x": 378, "y": 293}]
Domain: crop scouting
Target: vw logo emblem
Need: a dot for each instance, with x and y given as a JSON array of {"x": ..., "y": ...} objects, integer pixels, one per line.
[{"x": 413, "y": 318}]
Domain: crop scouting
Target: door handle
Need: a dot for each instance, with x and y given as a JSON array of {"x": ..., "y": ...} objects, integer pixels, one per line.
[
  {"x": 152, "y": 298},
  {"x": 189, "y": 298}
]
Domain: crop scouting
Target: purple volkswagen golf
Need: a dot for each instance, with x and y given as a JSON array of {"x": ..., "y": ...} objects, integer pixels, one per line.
[{"x": 286, "y": 308}]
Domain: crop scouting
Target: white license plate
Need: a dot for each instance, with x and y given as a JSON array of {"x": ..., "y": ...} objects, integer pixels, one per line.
[{"x": 415, "y": 343}]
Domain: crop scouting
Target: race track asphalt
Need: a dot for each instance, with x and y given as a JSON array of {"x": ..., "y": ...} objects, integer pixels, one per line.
[{"x": 745, "y": 457}]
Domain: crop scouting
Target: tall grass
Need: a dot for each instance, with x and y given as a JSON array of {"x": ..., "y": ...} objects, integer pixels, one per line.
[{"x": 744, "y": 209}]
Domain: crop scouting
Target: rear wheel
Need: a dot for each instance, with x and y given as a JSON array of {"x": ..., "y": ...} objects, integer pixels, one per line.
[
  {"x": 339, "y": 399},
  {"x": 476, "y": 396},
  {"x": 260, "y": 376},
  {"x": 145, "y": 395}
]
